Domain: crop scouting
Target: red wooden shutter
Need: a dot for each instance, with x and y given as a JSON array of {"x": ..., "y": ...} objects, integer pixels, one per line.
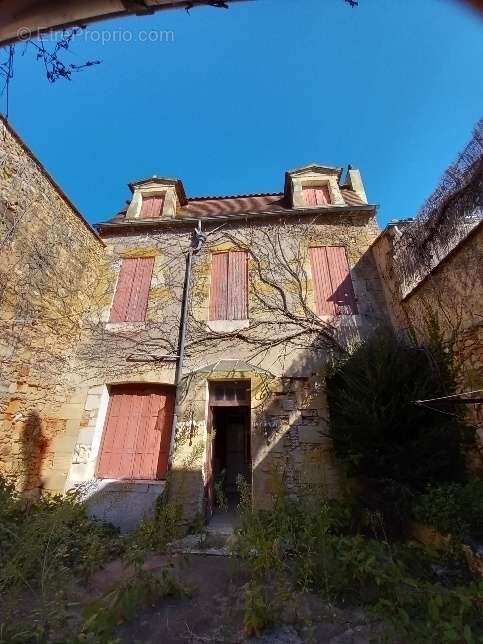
[
  {"x": 321, "y": 280},
  {"x": 343, "y": 291},
  {"x": 123, "y": 291},
  {"x": 334, "y": 293},
  {"x": 316, "y": 196},
  {"x": 132, "y": 291},
  {"x": 140, "y": 290},
  {"x": 309, "y": 196},
  {"x": 322, "y": 195},
  {"x": 137, "y": 433},
  {"x": 237, "y": 286},
  {"x": 219, "y": 286},
  {"x": 229, "y": 286},
  {"x": 151, "y": 207}
]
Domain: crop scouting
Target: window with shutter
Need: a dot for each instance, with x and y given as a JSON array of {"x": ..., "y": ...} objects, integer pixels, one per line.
[
  {"x": 316, "y": 195},
  {"x": 229, "y": 286},
  {"x": 334, "y": 293},
  {"x": 137, "y": 433},
  {"x": 132, "y": 291},
  {"x": 152, "y": 207}
]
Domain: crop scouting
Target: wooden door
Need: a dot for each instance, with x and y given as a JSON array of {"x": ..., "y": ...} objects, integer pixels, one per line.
[{"x": 137, "y": 433}]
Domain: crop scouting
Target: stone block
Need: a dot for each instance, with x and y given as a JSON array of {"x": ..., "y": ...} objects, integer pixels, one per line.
[
  {"x": 54, "y": 481},
  {"x": 85, "y": 435},
  {"x": 97, "y": 390},
  {"x": 64, "y": 443},
  {"x": 288, "y": 404},
  {"x": 69, "y": 411},
  {"x": 309, "y": 413},
  {"x": 61, "y": 462},
  {"x": 92, "y": 402},
  {"x": 77, "y": 397},
  {"x": 124, "y": 503},
  {"x": 72, "y": 427}
]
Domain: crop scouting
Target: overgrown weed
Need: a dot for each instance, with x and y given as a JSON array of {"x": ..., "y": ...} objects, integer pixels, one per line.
[{"x": 296, "y": 548}]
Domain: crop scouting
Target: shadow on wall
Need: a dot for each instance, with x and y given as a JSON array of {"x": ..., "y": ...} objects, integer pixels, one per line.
[
  {"x": 33, "y": 449},
  {"x": 125, "y": 503}
]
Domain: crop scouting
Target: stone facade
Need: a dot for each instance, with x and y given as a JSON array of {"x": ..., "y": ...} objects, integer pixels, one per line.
[
  {"x": 289, "y": 416},
  {"x": 62, "y": 355}
]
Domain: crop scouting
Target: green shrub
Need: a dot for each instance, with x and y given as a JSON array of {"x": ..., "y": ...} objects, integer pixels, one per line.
[
  {"x": 429, "y": 614},
  {"x": 393, "y": 446},
  {"x": 121, "y": 602},
  {"x": 455, "y": 509},
  {"x": 44, "y": 540},
  {"x": 419, "y": 595}
]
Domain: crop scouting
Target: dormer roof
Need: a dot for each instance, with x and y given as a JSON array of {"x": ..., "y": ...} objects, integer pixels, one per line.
[
  {"x": 161, "y": 181},
  {"x": 316, "y": 167}
]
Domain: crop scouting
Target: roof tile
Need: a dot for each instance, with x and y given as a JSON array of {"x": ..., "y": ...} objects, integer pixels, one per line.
[{"x": 236, "y": 205}]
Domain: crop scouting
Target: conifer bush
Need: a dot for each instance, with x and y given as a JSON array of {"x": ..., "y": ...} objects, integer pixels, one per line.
[{"x": 392, "y": 445}]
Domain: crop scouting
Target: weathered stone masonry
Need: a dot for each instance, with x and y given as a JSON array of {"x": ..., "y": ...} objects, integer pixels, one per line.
[
  {"x": 48, "y": 268},
  {"x": 58, "y": 365}
]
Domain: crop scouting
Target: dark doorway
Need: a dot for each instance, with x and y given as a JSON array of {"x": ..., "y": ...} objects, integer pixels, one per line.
[
  {"x": 231, "y": 453},
  {"x": 228, "y": 449}
]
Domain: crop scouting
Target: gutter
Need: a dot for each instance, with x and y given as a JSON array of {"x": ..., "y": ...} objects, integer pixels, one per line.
[
  {"x": 197, "y": 241},
  {"x": 175, "y": 222}
]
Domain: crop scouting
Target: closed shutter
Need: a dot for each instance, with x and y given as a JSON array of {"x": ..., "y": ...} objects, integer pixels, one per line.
[
  {"x": 322, "y": 195},
  {"x": 132, "y": 291},
  {"x": 137, "y": 433},
  {"x": 316, "y": 196},
  {"x": 309, "y": 196},
  {"x": 229, "y": 286},
  {"x": 237, "y": 286},
  {"x": 334, "y": 293},
  {"x": 152, "y": 207},
  {"x": 219, "y": 286}
]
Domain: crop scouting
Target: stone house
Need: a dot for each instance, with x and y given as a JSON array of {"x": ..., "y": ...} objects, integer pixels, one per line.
[
  {"x": 187, "y": 336},
  {"x": 278, "y": 282},
  {"x": 268, "y": 287}
]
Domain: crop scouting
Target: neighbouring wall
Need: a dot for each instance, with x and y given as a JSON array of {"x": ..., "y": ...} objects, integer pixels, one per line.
[
  {"x": 49, "y": 267},
  {"x": 453, "y": 292}
]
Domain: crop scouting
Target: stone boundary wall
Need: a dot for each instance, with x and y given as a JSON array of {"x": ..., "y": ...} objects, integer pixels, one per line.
[{"x": 48, "y": 268}]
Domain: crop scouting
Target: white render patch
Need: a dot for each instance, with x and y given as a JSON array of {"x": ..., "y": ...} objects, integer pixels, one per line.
[
  {"x": 123, "y": 503},
  {"x": 227, "y": 326}
]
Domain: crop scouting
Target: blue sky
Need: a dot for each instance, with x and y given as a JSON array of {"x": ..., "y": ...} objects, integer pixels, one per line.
[{"x": 241, "y": 95}]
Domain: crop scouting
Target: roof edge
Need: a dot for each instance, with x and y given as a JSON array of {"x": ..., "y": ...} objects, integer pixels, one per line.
[
  {"x": 186, "y": 221},
  {"x": 49, "y": 177}
]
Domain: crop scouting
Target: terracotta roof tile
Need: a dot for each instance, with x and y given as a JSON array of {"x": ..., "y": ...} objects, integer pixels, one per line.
[{"x": 236, "y": 205}]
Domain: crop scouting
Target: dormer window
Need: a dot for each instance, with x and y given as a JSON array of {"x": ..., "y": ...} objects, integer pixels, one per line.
[
  {"x": 316, "y": 195},
  {"x": 156, "y": 198},
  {"x": 152, "y": 206}
]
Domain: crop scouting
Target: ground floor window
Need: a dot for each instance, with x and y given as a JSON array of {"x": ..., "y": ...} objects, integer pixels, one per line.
[{"x": 137, "y": 432}]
